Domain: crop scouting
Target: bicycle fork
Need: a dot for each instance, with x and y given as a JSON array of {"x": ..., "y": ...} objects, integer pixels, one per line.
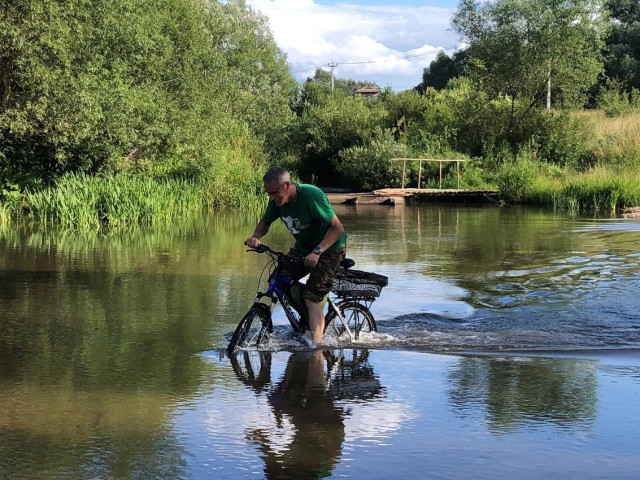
[{"x": 339, "y": 314}]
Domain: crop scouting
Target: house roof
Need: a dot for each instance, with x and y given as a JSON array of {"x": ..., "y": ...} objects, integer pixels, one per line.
[{"x": 368, "y": 90}]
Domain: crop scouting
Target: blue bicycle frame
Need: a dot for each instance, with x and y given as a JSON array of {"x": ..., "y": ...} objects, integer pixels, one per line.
[{"x": 279, "y": 290}]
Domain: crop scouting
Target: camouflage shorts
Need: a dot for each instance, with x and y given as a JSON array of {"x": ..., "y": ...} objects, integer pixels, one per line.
[{"x": 321, "y": 277}]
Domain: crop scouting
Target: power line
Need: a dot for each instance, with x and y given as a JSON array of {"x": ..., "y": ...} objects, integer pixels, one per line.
[
  {"x": 406, "y": 57},
  {"x": 333, "y": 65}
]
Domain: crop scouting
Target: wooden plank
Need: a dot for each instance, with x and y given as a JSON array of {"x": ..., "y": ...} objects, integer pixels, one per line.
[{"x": 398, "y": 196}]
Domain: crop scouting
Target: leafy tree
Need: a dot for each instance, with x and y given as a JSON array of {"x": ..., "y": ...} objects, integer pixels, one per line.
[
  {"x": 138, "y": 86},
  {"x": 403, "y": 109},
  {"x": 622, "y": 55},
  {"x": 253, "y": 81},
  {"x": 341, "y": 121},
  {"x": 316, "y": 89},
  {"x": 530, "y": 50},
  {"x": 441, "y": 70}
]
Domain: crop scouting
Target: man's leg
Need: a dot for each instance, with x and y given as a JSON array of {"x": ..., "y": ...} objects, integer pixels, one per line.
[
  {"x": 316, "y": 319},
  {"x": 318, "y": 286}
]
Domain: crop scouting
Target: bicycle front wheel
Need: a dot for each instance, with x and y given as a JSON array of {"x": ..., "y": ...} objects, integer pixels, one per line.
[
  {"x": 252, "y": 330},
  {"x": 356, "y": 316}
]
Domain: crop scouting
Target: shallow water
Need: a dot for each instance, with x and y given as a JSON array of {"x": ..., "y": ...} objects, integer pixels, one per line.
[{"x": 508, "y": 347}]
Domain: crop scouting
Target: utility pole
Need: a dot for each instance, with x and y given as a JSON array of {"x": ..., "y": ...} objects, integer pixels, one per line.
[
  {"x": 549, "y": 89},
  {"x": 332, "y": 65}
]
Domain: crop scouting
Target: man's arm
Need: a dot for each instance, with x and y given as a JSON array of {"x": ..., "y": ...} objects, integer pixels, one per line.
[
  {"x": 260, "y": 231},
  {"x": 333, "y": 234}
]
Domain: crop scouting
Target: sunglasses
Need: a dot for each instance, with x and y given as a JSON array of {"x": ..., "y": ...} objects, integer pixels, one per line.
[{"x": 275, "y": 192}]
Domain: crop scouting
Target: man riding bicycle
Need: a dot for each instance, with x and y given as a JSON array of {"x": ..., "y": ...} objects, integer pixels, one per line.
[{"x": 319, "y": 234}]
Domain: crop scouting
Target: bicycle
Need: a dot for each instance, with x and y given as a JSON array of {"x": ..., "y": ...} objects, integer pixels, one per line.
[
  {"x": 347, "y": 373},
  {"x": 354, "y": 291}
]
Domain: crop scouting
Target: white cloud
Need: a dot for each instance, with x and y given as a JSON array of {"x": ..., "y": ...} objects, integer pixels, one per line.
[
  {"x": 313, "y": 35},
  {"x": 371, "y": 420}
]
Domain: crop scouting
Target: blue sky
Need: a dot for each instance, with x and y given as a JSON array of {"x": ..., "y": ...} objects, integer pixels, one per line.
[{"x": 382, "y": 42}]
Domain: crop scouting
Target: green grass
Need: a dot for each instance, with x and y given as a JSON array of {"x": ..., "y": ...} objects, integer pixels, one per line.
[
  {"x": 610, "y": 185},
  {"x": 84, "y": 201},
  {"x": 5, "y": 215},
  {"x": 127, "y": 200},
  {"x": 615, "y": 140},
  {"x": 603, "y": 190},
  {"x": 122, "y": 200}
]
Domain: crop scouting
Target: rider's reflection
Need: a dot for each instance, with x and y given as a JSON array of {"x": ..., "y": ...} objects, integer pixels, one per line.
[{"x": 304, "y": 400}]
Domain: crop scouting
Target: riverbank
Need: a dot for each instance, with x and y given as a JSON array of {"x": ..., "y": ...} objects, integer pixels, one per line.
[
  {"x": 95, "y": 201},
  {"x": 630, "y": 212},
  {"x": 90, "y": 202},
  {"x": 400, "y": 196}
]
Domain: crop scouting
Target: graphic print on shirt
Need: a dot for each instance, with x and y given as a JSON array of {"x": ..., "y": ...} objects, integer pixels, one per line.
[{"x": 294, "y": 225}]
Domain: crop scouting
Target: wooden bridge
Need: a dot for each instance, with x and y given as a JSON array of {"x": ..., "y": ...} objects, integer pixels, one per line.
[{"x": 399, "y": 196}]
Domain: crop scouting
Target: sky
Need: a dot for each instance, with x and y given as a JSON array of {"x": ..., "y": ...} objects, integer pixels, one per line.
[{"x": 389, "y": 44}]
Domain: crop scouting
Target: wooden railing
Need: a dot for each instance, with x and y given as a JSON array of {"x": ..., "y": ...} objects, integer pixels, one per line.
[{"x": 440, "y": 160}]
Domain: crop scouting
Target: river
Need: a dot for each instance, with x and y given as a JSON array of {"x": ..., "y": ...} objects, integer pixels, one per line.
[{"x": 508, "y": 346}]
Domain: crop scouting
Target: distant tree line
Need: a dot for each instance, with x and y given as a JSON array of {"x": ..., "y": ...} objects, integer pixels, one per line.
[
  {"x": 620, "y": 51},
  {"x": 197, "y": 90}
]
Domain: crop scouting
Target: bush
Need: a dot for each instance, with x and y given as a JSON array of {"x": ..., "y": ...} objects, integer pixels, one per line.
[
  {"x": 634, "y": 99},
  {"x": 342, "y": 122},
  {"x": 369, "y": 167},
  {"x": 516, "y": 178},
  {"x": 473, "y": 176},
  {"x": 134, "y": 87},
  {"x": 562, "y": 139},
  {"x": 613, "y": 98}
]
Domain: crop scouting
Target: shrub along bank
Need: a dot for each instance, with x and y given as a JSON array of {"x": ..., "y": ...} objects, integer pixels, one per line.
[
  {"x": 139, "y": 99},
  {"x": 140, "y": 112}
]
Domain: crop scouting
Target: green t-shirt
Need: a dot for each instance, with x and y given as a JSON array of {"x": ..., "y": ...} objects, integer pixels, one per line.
[{"x": 307, "y": 220}]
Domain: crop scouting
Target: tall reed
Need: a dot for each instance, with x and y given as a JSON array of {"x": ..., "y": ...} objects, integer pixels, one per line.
[
  {"x": 605, "y": 189},
  {"x": 92, "y": 201},
  {"x": 601, "y": 190},
  {"x": 5, "y": 215}
]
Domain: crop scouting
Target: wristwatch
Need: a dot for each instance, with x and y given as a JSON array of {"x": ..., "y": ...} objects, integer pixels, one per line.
[{"x": 318, "y": 251}]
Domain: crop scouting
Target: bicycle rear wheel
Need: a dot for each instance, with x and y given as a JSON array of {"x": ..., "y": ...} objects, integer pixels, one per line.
[
  {"x": 252, "y": 330},
  {"x": 356, "y": 316}
]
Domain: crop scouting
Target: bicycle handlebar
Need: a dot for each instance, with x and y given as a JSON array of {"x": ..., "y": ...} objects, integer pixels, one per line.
[{"x": 262, "y": 248}]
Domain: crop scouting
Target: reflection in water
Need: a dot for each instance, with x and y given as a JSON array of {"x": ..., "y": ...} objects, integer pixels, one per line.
[
  {"x": 101, "y": 374},
  {"x": 304, "y": 405},
  {"x": 46, "y": 433},
  {"x": 499, "y": 278},
  {"x": 513, "y": 392}
]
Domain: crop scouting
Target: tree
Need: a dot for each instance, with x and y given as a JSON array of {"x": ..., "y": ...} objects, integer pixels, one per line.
[
  {"x": 252, "y": 76},
  {"x": 316, "y": 89},
  {"x": 622, "y": 55},
  {"x": 125, "y": 84},
  {"x": 441, "y": 70},
  {"x": 341, "y": 121},
  {"x": 532, "y": 50}
]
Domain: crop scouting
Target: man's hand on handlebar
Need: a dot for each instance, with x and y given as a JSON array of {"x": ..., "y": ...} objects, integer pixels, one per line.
[{"x": 252, "y": 242}]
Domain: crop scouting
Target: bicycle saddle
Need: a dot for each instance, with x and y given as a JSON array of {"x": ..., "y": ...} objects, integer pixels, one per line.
[{"x": 347, "y": 263}]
